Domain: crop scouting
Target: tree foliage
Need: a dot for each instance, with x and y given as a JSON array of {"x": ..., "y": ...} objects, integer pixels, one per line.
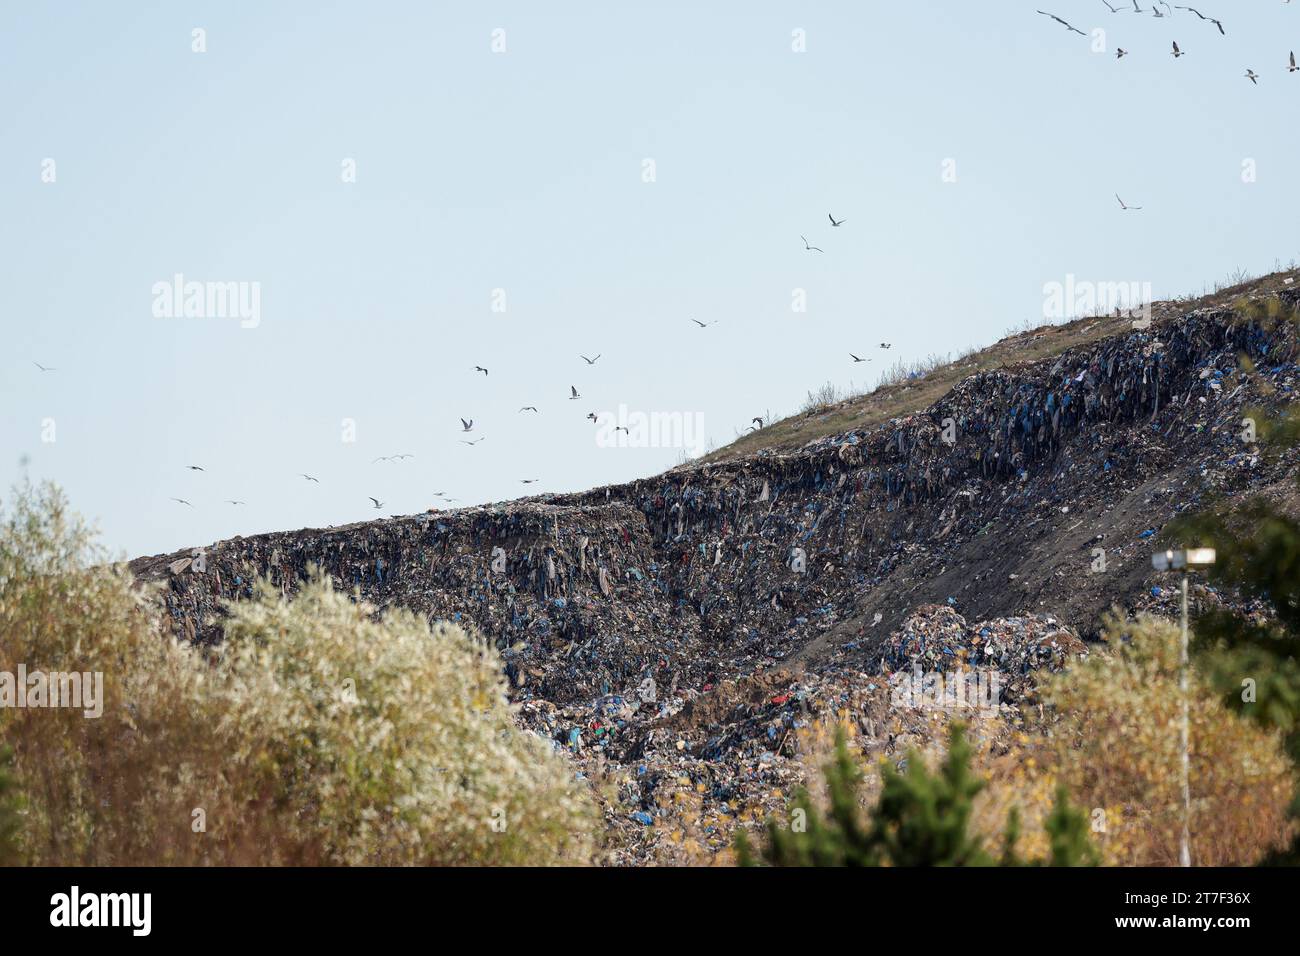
[{"x": 922, "y": 818}]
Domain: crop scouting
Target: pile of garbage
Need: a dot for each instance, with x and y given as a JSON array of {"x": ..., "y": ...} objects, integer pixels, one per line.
[
  {"x": 936, "y": 639},
  {"x": 676, "y": 635}
]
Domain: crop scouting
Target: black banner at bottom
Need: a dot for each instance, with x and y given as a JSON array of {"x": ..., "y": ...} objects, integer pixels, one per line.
[{"x": 337, "y": 905}]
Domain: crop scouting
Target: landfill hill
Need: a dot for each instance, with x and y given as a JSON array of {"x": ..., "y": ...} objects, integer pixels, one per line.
[
  {"x": 674, "y": 631},
  {"x": 911, "y": 395}
]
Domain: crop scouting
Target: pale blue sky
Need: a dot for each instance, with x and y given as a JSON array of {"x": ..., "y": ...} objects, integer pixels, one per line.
[{"x": 523, "y": 171}]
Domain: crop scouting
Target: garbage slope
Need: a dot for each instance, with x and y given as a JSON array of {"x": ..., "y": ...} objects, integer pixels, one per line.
[{"x": 1037, "y": 488}]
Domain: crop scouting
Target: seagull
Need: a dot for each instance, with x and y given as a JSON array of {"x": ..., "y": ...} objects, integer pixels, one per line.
[
  {"x": 474, "y": 442},
  {"x": 1204, "y": 17},
  {"x": 44, "y": 369},
  {"x": 856, "y": 359},
  {"x": 528, "y": 408},
  {"x": 833, "y": 222},
  {"x": 381, "y": 458},
  {"x": 591, "y": 416},
  {"x": 810, "y": 248},
  {"x": 757, "y": 421},
  {"x": 591, "y": 361},
  {"x": 1123, "y": 206},
  {"x": 194, "y": 467},
  {"x": 1177, "y": 52},
  {"x": 527, "y": 481},
  {"x": 704, "y": 325},
  {"x": 886, "y": 345},
  {"x": 1252, "y": 76},
  {"x": 575, "y": 396},
  {"x": 1064, "y": 24},
  {"x": 1155, "y": 12},
  {"x": 231, "y": 501},
  {"x": 467, "y": 424},
  {"x": 480, "y": 368},
  {"x": 378, "y": 504},
  {"x": 1112, "y": 9},
  {"x": 310, "y": 478},
  {"x": 1136, "y": 8},
  {"x": 182, "y": 501},
  {"x": 620, "y": 428},
  {"x": 1120, "y": 53},
  {"x": 1292, "y": 68},
  {"x": 404, "y": 456}
]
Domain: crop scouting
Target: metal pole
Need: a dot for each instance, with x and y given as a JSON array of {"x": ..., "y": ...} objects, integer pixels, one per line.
[{"x": 1185, "y": 845}]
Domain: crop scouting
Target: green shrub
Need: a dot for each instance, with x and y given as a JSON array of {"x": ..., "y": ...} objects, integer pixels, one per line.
[
  {"x": 9, "y": 810},
  {"x": 921, "y": 819},
  {"x": 317, "y": 733}
]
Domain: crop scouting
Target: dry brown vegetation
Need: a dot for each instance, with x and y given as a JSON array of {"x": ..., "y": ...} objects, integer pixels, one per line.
[{"x": 899, "y": 395}]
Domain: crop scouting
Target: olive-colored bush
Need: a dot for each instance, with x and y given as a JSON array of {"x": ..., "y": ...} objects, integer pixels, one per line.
[{"x": 317, "y": 733}]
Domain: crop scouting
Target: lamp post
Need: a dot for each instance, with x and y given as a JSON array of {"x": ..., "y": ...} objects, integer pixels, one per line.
[{"x": 1184, "y": 561}]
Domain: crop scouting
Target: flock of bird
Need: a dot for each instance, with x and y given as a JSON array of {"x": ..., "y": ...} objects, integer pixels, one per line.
[
  {"x": 756, "y": 423},
  {"x": 467, "y": 424},
  {"x": 1177, "y": 51}
]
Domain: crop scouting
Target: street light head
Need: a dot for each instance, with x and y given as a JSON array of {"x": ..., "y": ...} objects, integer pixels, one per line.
[{"x": 1177, "y": 560}]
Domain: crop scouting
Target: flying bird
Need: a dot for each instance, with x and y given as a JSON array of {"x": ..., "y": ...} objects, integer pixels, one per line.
[
  {"x": 474, "y": 442},
  {"x": 480, "y": 368},
  {"x": 310, "y": 478},
  {"x": 1292, "y": 68},
  {"x": 1112, "y": 9},
  {"x": 378, "y": 504},
  {"x": 182, "y": 501},
  {"x": 231, "y": 501},
  {"x": 1120, "y": 53},
  {"x": 704, "y": 325},
  {"x": 833, "y": 222},
  {"x": 575, "y": 396},
  {"x": 810, "y": 248},
  {"x": 194, "y": 467},
  {"x": 589, "y": 361},
  {"x": 467, "y": 424},
  {"x": 44, "y": 369},
  {"x": 527, "y": 481},
  {"x": 591, "y": 416},
  {"x": 856, "y": 359},
  {"x": 1122, "y": 204},
  {"x": 1155, "y": 12},
  {"x": 757, "y": 420},
  {"x": 1177, "y": 52},
  {"x": 886, "y": 345},
  {"x": 1063, "y": 23},
  {"x": 528, "y": 408},
  {"x": 1252, "y": 76},
  {"x": 1204, "y": 17}
]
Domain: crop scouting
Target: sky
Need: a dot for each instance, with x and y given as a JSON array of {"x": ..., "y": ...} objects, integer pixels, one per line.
[{"x": 411, "y": 190}]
